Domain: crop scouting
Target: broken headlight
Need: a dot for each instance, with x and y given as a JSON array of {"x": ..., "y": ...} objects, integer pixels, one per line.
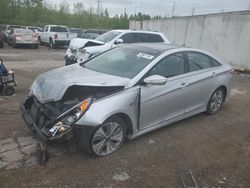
[
  {"x": 67, "y": 119},
  {"x": 82, "y": 50}
]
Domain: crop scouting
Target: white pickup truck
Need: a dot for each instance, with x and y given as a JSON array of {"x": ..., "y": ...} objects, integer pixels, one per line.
[{"x": 56, "y": 35}]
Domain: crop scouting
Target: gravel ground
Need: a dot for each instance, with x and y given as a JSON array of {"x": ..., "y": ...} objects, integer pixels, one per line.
[{"x": 216, "y": 148}]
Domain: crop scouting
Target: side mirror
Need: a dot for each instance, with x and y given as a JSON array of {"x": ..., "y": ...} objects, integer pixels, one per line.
[
  {"x": 119, "y": 41},
  {"x": 155, "y": 80}
]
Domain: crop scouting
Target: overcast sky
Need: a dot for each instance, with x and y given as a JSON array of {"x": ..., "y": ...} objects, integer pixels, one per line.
[{"x": 161, "y": 7}]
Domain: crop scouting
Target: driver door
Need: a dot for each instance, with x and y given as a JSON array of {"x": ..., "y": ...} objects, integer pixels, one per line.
[{"x": 160, "y": 103}]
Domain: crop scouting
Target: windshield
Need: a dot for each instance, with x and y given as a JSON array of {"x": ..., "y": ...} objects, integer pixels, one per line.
[
  {"x": 106, "y": 37},
  {"x": 123, "y": 61},
  {"x": 59, "y": 29}
]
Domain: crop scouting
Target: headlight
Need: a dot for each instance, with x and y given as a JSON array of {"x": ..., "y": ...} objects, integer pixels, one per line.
[
  {"x": 82, "y": 50},
  {"x": 67, "y": 119}
]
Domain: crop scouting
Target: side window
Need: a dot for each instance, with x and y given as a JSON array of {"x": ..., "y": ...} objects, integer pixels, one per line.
[
  {"x": 128, "y": 38},
  {"x": 198, "y": 61},
  {"x": 172, "y": 65},
  {"x": 149, "y": 37},
  {"x": 45, "y": 29},
  {"x": 214, "y": 62}
]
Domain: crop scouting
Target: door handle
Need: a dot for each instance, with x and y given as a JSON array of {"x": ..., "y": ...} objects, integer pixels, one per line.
[
  {"x": 183, "y": 85},
  {"x": 213, "y": 74}
]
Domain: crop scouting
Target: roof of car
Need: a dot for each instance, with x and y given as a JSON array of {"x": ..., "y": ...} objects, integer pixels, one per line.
[
  {"x": 134, "y": 31},
  {"x": 56, "y": 25},
  {"x": 160, "y": 47}
]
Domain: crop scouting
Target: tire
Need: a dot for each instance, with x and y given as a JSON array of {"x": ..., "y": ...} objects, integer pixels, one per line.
[
  {"x": 41, "y": 43},
  {"x": 1, "y": 44},
  {"x": 8, "y": 90},
  {"x": 13, "y": 44},
  {"x": 105, "y": 139},
  {"x": 216, "y": 101},
  {"x": 51, "y": 44}
]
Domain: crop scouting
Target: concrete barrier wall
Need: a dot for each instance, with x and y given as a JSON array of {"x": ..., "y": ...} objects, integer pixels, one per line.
[{"x": 226, "y": 35}]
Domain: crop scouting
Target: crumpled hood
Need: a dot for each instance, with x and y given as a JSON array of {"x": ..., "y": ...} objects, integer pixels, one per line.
[
  {"x": 77, "y": 43},
  {"x": 52, "y": 85}
]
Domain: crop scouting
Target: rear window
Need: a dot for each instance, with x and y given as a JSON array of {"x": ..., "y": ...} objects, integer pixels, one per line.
[
  {"x": 214, "y": 62},
  {"x": 23, "y": 31},
  {"x": 106, "y": 37},
  {"x": 149, "y": 37},
  {"x": 75, "y": 30},
  {"x": 13, "y": 27},
  {"x": 198, "y": 61},
  {"x": 58, "y": 29}
]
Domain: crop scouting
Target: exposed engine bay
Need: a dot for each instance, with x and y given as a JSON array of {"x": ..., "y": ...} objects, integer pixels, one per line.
[{"x": 54, "y": 120}]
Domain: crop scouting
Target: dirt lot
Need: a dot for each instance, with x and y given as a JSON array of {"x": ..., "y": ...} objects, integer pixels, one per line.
[{"x": 216, "y": 148}]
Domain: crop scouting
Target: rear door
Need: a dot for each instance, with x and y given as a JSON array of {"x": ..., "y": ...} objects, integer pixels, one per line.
[
  {"x": 202, "y": 80},
  {"x": 164, "y": 102}
]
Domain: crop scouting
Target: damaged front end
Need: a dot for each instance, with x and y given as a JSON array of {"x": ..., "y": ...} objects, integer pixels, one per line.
[{"x": 55, "y": 120}]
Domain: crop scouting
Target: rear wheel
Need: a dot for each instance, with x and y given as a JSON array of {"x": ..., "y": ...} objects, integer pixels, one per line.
[
  {"x": 13, "y": 44},
  {"x": 216, "y": 101},
  {"x": 8, "y": 90},
  {"x": 41, "y": 43},
  {"x": 35, "y": 46},
  {"x": 1, "y": 44},
  {"x": 51, "y": 44}
]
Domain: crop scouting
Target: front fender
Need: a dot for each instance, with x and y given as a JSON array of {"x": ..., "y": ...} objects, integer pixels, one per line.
[{"x": 125, "y": 102}]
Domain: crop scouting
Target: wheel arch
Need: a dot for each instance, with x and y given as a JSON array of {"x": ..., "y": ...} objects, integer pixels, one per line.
[
  {"x": 225, "y": 90},
  {"x": 126, "y": 120}
]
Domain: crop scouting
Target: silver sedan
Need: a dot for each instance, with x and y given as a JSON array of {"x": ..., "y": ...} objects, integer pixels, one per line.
[{"x": 125, "y": 92}]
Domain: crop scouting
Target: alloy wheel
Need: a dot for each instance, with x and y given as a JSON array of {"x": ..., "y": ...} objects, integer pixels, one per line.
[
  {"x": 216, "y": 100},
  {"x": 107, "y": 138}
]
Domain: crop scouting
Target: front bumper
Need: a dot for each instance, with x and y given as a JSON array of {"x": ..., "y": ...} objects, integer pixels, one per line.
[
  {"x": 26, "y": 43},
  {"x": 62, "y": 42},
  {"x": 35, "y": 117},
  {"x": 69, "y": 60}
]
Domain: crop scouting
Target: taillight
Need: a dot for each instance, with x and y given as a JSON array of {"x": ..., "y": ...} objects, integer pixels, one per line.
[
  {"x": 18, "y": 37},
  {"x": 55, "y": 36}
]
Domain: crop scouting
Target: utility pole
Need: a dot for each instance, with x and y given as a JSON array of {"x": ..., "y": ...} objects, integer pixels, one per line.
[
  {"x": 173, "y": 9},
  {"x": 193, "y": 10},
  {"x": 98, "y": 6}
]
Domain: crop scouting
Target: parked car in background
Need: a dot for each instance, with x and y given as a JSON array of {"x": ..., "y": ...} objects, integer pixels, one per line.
[
  {"x": 7, "y": 31},
  {"x": 56, "y": 35},
  {"x": 88, "y": 35},
  {"x": 23, "y": 37},
  {"x": 2, "y": 27},
  {"x": 35, "y": 29},
  {"x": 82, "y": 49},
  {"x": 1, "y": 39},
  {"x": 77, "y": 31},
  {"x": 125, "y": 92},
  {"x": 97, "y": 31}
]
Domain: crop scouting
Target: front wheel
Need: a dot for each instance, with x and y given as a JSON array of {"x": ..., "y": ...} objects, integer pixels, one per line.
[
  {"x": 107, "y": 138},
  {"x": 216, "y": 101},
  {"x": 8, "y": 90}
]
